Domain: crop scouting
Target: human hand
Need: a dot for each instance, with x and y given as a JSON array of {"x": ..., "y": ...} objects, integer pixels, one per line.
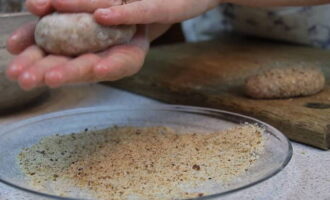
[
  {"x": 33, "y": 68},
  {"x": 112, "y": 12},
  {"x": 164, "y": 12}
]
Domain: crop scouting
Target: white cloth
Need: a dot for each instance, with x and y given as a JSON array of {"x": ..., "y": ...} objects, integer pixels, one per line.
[{"x": 304, "y": 25}]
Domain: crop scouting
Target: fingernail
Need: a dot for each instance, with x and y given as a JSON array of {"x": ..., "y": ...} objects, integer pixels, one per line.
[
  {"x": 14, "y": 37},
  {"x": 101, "y": 71},
  {"x": 12, "y": 41},
  {"x": 104, "y": 12},
  {"x": 14, "y": 69},
  {"x": 27, "y": 80}
]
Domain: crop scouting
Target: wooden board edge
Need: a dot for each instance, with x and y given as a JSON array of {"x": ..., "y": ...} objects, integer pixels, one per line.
[{"x": 196, "y": 99}]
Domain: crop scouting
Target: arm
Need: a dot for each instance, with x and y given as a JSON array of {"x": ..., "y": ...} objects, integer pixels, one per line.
[{"x": 32, "y": 68}]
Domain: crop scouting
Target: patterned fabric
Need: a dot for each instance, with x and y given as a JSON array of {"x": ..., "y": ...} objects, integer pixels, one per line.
[{"x": 304, "y": 25}]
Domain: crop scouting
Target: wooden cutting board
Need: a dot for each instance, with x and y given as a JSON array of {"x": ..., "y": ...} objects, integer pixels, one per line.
[{"x": 212, "y": 73}]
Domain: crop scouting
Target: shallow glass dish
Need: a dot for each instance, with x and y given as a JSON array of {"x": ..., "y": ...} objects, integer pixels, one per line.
[{"x": 13, "y": 138}]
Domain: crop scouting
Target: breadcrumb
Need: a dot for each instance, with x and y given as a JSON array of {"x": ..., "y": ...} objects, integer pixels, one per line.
[{"x": 148, "y": 163}]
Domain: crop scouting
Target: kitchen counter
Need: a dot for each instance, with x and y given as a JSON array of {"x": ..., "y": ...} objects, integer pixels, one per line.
[{"x": 306, "y": 177}]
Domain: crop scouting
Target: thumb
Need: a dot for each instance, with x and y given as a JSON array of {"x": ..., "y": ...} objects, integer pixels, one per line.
[
  {"x": 139, "y": 12},
  {"x": 153, "y": 11}
]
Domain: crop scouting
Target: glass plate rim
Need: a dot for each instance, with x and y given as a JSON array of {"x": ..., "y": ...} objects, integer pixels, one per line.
[{"x": 96, "y": 109}]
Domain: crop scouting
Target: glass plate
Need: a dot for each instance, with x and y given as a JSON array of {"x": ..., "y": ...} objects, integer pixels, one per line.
[{"x": 13, "y": 138}]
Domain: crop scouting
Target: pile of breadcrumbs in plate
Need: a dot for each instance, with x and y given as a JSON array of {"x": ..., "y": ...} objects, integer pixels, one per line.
[{"x": 145, "y": 163}]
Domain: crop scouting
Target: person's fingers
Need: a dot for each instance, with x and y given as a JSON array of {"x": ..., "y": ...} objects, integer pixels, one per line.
[
  {"x": 22, "y": 38},
  {"x": 24, "y": 60},
  {"x": 152, "y": 11},
  {"x": 33, "y": 76},
  {"x": 128, "y": 14},
  {"x": 39, "y": 7},
  {"x": 123, "y": 60},
  {"x": 83, "y": 5},
  {"x": 78, "y": 70}
]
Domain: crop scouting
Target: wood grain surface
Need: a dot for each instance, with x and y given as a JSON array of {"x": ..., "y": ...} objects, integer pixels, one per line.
[{"x": 212, "y": 74}]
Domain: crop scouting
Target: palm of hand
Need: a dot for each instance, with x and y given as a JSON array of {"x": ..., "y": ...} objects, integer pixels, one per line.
[{"x": 33, "y": 68}]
